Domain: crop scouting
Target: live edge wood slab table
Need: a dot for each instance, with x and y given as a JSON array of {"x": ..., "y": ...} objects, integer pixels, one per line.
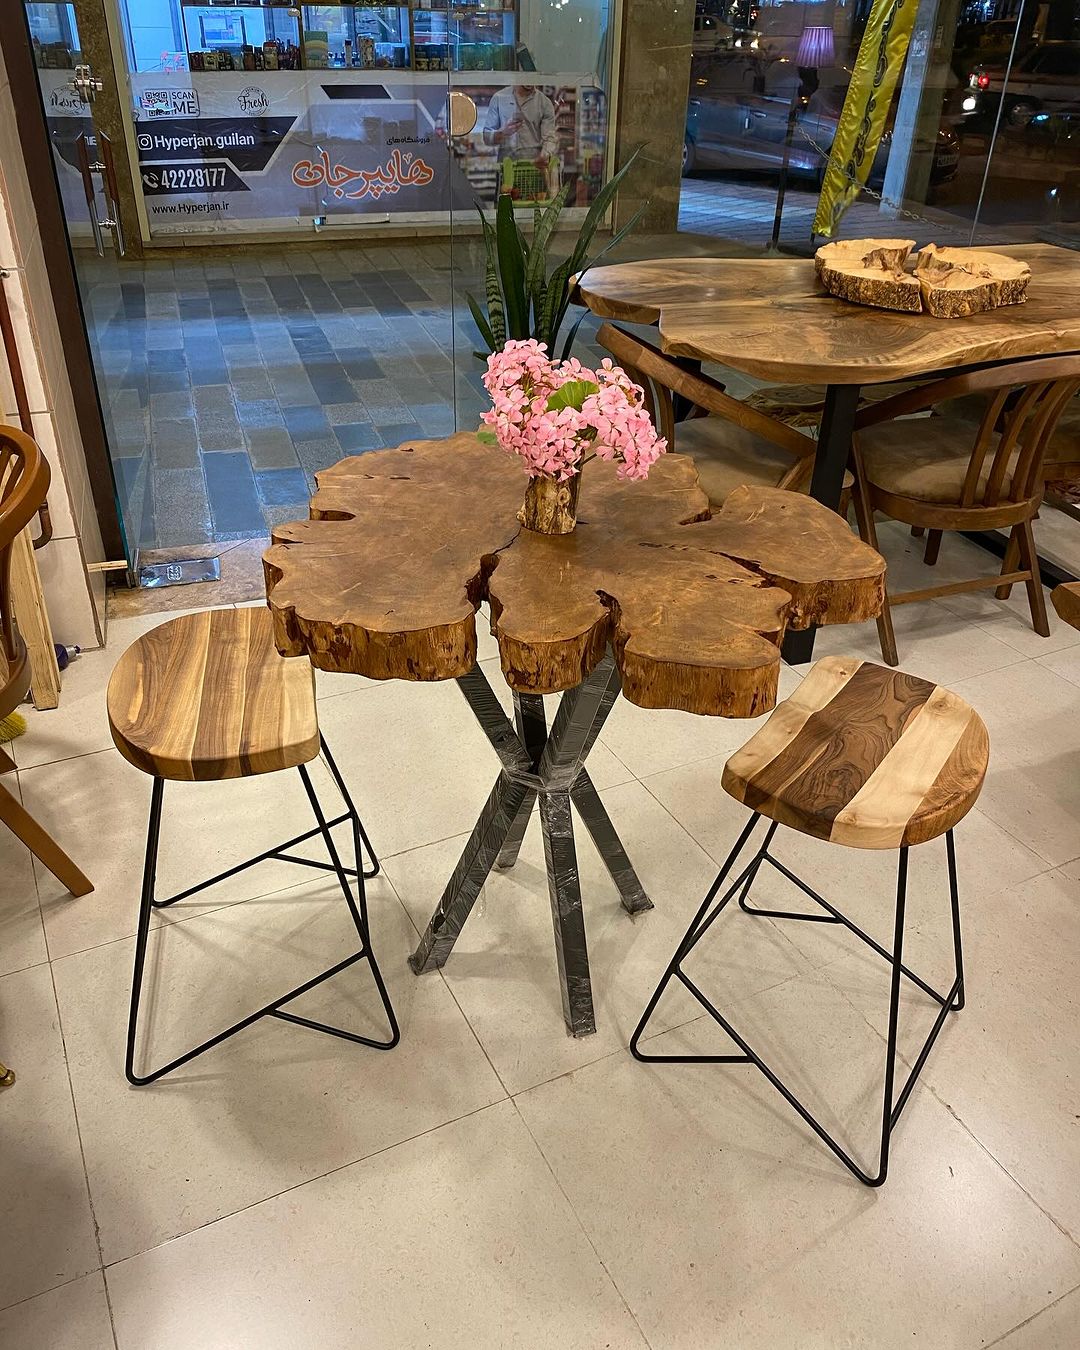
[
  {"x": 651, "y": 595},
  {"x": 769, "y": 318}
]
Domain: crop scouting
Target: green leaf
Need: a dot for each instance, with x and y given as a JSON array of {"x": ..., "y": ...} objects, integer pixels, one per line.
[
  {"x": 493, "y": 291},
  {"x": 568, "y": 344},
  {"x": 486, "y": 435},
  {"x": 572, "y": 395},
  {"x": 536, "y": 269},
  {"x": 554, "y": 301},
  {"x": 481, "y": 322},
  {"x": 511, "y": 268},
  {"x": 600, "y": 204}
]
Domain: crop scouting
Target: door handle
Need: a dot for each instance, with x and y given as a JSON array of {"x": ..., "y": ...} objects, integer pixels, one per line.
[
  {"x": 106, "y": 167},
  {"x": 112, "y": 193},
  {"x": 86, "y": 169},
  {"x": 86, "y": 84}
]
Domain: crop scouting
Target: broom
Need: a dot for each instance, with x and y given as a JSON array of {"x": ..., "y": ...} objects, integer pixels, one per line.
[{"x": 11, "y": 726}]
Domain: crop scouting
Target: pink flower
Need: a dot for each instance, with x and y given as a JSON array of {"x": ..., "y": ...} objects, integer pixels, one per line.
[{"x": 611, "y": 421}]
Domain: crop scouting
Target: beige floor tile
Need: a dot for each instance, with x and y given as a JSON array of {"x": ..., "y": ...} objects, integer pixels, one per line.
[
  {"x": 1065, "y": 663},
  {"x": 47, "y": 1232},
  {"x": 73, "y": 1317},
  {"x": 97, "y": 805},
  {"x": 80, "y": 725},
  {"x": 1008, "y": 1062},
  {"x": 275, "y": 1105},
  {"x": 458, "y": 1239},
  {"x": 1032, "y": 788},
  {"x": 932, "y": 642},
  {"x": 1010, "y": 621},
  {"x": 503, "y": 970},
  {"x": 724, "y": 1222},
  {"x": 22, "y": 937},
  {"x": 1055, "y": 1328},
  {"x": 648, "y": 740},
  {"x": 414, "y": 754}
]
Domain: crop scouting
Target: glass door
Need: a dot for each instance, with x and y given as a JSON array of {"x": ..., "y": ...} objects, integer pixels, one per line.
[
  {"x": 85, "y": 160},
  {"x": 530, "y": 93}
]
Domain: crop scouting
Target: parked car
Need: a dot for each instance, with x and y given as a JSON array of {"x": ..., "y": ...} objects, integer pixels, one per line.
[
  {"x": 1044, "y": 79},
  {"x": 737, "y": 117}
]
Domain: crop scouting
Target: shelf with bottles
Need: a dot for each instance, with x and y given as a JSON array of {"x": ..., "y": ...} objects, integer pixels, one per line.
[{"x": 241, "y": 37}]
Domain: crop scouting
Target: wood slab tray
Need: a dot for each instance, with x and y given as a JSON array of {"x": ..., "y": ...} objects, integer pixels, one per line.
[
  {"x": 949, "y": 283},
  {"x": 403, "y": 545}
]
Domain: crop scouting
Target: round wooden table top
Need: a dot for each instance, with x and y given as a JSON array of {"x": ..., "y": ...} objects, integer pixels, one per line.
[
  {"x": 769, "y": 318},
  {"x": 403, "y": 545}
]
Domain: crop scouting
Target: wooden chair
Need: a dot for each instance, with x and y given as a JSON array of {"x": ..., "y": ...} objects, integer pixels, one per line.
[
  {"x": 730, "y": 442},
  {"x": 24, "y": 484},
  {"x": 865, "y": 757},
  {"x": 204, "y": 697},
  {"x": 952, "y": 472}
]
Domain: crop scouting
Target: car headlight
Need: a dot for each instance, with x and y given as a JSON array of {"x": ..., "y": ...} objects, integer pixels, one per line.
[{"x": 970, "y": 103}]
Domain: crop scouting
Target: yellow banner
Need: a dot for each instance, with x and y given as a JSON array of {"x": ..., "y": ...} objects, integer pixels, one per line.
[{"x": 862, "y": 120}]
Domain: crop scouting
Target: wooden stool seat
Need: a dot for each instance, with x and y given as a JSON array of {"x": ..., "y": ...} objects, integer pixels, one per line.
[
  {"x": 206, "y": 696},
  {"x": 864, "y": 755}
]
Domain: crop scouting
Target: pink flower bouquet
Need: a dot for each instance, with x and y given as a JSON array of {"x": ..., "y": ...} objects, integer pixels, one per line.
[{"x": 556, "y": 415}]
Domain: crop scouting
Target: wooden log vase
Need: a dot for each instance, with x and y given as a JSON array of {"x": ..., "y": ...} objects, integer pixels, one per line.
[{"x": 550, "y": 506}]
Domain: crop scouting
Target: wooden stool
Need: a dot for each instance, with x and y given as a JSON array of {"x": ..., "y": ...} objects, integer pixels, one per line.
[
  {"x": 206, "y": 696},
  {"x": 859, "y": 755}
]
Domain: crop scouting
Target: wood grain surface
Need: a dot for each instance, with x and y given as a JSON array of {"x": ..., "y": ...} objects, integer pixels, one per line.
[
  {"x": 207, "y": 696},
  {"x": 767, "y": 317},
  {"x": 865, "y": 756},
  {"x": 1067, "y": 602},
  {"x": 404, "y": 544}
]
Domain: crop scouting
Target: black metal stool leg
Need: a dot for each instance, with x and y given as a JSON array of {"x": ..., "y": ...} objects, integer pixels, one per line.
[
  {"x": 359, "y": 833},
  {"x": 710, "y": 910},
  {"x": 358, "y": 911},
  {"x": 146, "y": 901}
]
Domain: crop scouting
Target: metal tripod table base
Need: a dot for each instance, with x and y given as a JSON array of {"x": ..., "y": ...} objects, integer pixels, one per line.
[{"x": 538, "y": 765}]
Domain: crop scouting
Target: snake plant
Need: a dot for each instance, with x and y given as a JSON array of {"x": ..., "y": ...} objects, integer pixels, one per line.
[{"x": 523, "y": 299}]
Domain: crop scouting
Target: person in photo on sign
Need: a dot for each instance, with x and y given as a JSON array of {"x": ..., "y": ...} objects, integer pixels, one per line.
[{"x": 521, "y": 124}]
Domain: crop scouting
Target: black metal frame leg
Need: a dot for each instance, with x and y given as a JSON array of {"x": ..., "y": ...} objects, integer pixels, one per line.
[
  {"x": 827, "y": 484},
  {"x": 712, "y": 908},
  {"x": 548, "y": 766},
  {"x": 357, "y": 910}
]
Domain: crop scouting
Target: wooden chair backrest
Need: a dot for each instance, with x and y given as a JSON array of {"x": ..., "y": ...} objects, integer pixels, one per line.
[
  {"x": 661, "y": 378},
  {"x": 1024, "y": 402},
  {"x": 24, "y": 485}
]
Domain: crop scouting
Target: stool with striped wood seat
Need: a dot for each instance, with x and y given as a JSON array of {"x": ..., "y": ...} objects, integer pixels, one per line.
[
  {"x": 861, "y": 755},
  {"x": 204, "y": 697}
]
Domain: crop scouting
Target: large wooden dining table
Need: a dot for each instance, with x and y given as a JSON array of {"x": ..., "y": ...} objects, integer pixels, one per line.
[
  {"x": 653, "y": 595},
  {"x": 769, "y": 318}
]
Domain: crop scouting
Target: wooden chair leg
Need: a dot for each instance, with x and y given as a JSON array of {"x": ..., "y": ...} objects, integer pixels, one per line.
[
  {"x": 41, "y": 844},
  {"x": 864, "y": 516},
  {"x": 1010, "y": 562},
  {"x": 933, "y": 544},
  {"x": 6, "y": 762},
  {"x": 1030, "y": 561},
  {"x": 917, "y": 531}
]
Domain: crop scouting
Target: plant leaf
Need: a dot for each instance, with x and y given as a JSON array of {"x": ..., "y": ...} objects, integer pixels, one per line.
[
  {"x": 572, "y": 395},
  {"x": 536, "y": 269},
  {"x": 511, "y": 268},
  {"x": 573, "y": 334},
  {"x": 486, "y": 435},
  {"x": 554, "y": 302},
  {"x": 481, "y": 322},
  {"x": 600, "y": 204}
]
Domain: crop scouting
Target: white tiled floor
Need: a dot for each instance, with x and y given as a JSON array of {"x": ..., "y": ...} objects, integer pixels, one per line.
[{"x": 491, "y": 1182}]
